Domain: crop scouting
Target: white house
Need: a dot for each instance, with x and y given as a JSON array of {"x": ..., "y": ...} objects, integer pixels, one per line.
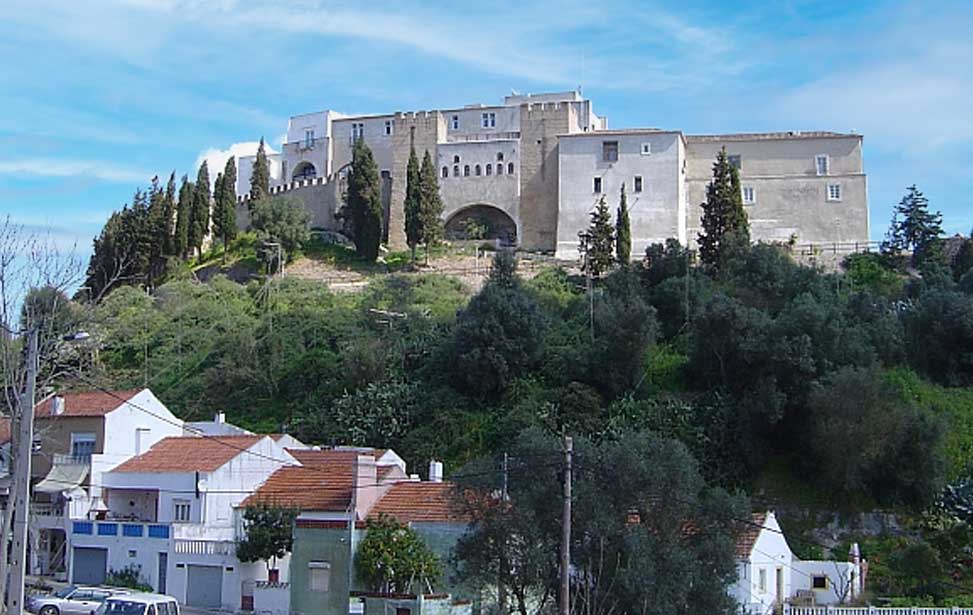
[
  {"x": 171, "y": 514},
  {"x": 769, "y": 575}
]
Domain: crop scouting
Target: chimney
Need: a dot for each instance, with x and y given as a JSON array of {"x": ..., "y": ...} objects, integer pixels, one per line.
[
  {"x": 854, "y": 554},
  {"x": 57, "y": 405},
  {"x": 220, "y": 418},
  {"x": 365, "y": 489},
  {"x": 435, "y": 471}
]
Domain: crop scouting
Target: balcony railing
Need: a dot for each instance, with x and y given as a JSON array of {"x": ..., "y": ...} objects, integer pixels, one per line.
[
  {"x": 114, "y": 528},
  {"x": 67, "y": 460},
  {"x": 482, "y": 136},
  {"x": 205, "y": 547}
]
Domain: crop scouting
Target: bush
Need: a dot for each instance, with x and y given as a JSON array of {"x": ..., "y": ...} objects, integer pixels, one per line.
[{"x": 129, "y": 577}]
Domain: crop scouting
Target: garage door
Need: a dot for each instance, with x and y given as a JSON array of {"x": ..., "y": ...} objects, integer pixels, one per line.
[
  {"x": 204, "y": 586},
  {"x": 89, "y": 566}
]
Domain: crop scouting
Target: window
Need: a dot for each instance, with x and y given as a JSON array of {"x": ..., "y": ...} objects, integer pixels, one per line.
[
  {"x": 646, "y": 149},
  {"x": 736, "y": 161},
  {"x": 357, "y": 130},
  {"x": 455, "y": 170},
  {"x": 500, "y": 168},
  {"x": 466, "y": 170},
  {"x": 181, "y": 511},
  {"x": 749, "y": 195},
  {"x": 82, "y": 446},
  {"x": 510, "y": 168},
  {"x": 834, "y": 192},
  {"x": 455, "y": 122},
  {"x": 821, "y": 164},
  {"x": 445, "y": 172},
  {"x": 455, "y": 159},
  {"x": 762, "y": 580},
  {"x": 150, "y": 610},
  {"x": 609, "y": 151},
  {"x": 597, "y": 185},
  {"x": 489, "y": 120},
  {"x": 819, "y": 582},
  {"x": 308, "y": 137},
  {"x": 283, "y": 168},
  {"x": 401, "y": 610},
  {"x": 389, "y": 127},
  {"x": 638, "y": 184},
  {"x": 499, "y": 156},
  {"x": 476, "y": 170},
  {"x": 319, "y": 574},
  {"x": 489, "y": 169},
  {"x": 133, "y": 553}
]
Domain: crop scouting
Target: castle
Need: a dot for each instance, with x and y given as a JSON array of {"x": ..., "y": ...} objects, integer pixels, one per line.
[{"x": 529, "y": 172}]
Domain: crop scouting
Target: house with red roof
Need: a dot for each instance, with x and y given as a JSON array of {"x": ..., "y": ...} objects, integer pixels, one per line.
[
  {"x": 78, "y": 436},
  {"x": 769, "y": 575}
]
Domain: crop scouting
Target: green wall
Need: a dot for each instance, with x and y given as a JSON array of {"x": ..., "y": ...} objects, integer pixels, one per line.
[{"x": 323, "y": 545}]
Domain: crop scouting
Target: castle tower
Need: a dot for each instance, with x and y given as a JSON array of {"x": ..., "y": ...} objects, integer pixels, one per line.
[
  {"x": 422, "y": 130},
  {"x": 540, "y": 125}
]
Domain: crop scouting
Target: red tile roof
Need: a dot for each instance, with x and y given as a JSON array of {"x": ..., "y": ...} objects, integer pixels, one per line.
[
  {"x": 751, "y": 532},
  {"x": 307, "y": 488},
  {"x": 412, "y": 502},
  {"x": 189, "y": 454},
  {"x": 86, "y": 403}
]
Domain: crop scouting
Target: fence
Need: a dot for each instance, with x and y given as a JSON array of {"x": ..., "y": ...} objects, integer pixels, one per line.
[{"x": 873, "y": 610}]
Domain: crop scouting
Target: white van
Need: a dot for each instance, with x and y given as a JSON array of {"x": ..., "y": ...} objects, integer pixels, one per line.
[{"x": 139, "y": 604}]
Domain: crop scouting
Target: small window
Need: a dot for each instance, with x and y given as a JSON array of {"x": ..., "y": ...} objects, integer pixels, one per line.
[
  {"x": 510, "y": 168},
  {"x": 357, "y": 131},
  {"x": 609, "y": 151},
  {"x": 477, "y": 171},
  {"x": 455, "y": 122},
  {"x": 500, "y": 169},
  {"x": 401, "y": 610},
  {"x": 445, "y": 172},
  {"x": 489, "y": 120},
  {"x": 133, "y": 553},
  {"x": 466, "y": 170},
  {"x": 638, "y": 184},
  {"x": 455, "y": 159},
  {"x": 822, "y": 164},
  {"x": 834, "y": 192},
  {"x": 455, "y": 170},
  {"x": 597, "y": 186},
  {"x": 735, "y": 161},
  {"x": 646, "y": 149},
  {"x": 762, "y": 580},
  {"x": 749, "y": 195},
  {"x": 489, "y": 169},
  {"x": 309, "y": 137},
  {"x": 499, "y": 156},
  {"x": 389, "y": 127},
  {"x": 319, "y": 574},
  {"x": 181, "y": 511},
  {"x": 82, "y": 446},
  {"x": 819, "y": 582}
]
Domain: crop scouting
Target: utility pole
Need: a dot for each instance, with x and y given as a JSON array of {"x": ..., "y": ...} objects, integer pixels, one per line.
[
  {"x": 565, "y": 602},
  {"x": 21, "y": 507},
  {"x": 501, "y": 588}
]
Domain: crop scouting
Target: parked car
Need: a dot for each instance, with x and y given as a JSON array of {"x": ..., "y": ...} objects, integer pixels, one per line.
[
  {"x": 71, "y": 600},
  {"x": 139, "y": 604}
]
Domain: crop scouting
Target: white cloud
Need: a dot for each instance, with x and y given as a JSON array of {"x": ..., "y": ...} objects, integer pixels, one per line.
[
  {"x": 56, "y": 167},
  {"x": 216, "y": 158}
]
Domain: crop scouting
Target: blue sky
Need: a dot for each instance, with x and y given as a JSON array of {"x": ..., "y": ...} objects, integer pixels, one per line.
[{"x": 100, "y": 95}]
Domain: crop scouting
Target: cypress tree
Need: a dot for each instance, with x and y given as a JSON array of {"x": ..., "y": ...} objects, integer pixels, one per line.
[
  {"x": 200, "y": 212},
  {"x": 724, "y": 220},
  {"x": 365, "y": 202},
  {"x": 412, "y": 204},
  {"x": 260, "y": 176},
  {"x": 184, "y": 210},
  {"x": 623, "y": 232},
  {"x": 224, "y": 207},
  {"x": 597, "y": 243},
  {"x": 914, "y": 228},
  {"x": 430, "y": 204},
  {"x": 169, "y": 217},
  {"x": 157, "y": 231}
]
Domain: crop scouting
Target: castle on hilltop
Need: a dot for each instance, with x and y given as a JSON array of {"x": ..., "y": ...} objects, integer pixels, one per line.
[{"x": 529, "y": 171}]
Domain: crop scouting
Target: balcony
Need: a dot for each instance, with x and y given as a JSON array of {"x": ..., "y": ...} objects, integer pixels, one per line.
[
  {"x": 483, "y": 136},
  {"x": 114, "y": 529}
]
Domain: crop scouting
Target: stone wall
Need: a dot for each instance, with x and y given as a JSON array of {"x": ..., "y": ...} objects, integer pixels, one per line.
[
  {"x": 321, "y": 198},
  {"x": 540, "y": 125},
  {"x": 422, "y": 130}
]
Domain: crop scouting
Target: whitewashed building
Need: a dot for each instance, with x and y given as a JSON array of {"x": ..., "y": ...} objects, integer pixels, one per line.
[{"x": 769, "y": 575}]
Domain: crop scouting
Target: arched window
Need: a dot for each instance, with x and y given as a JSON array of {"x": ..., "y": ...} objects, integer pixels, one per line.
[
  {"x": 445, "y": 172},
  {"x": 489, "y": 169},
  {"x": 476, "y": 170},
  {"x": 500, "y": 169},
  {"x": 510, "y": 168},
  {"x": 304, "y": 170},
  {"x": 466, "y": 170},
  {"x": 500, "y": 156},
  {"x": 455, "y": 170},
  {"x": 455, "y": 159}
]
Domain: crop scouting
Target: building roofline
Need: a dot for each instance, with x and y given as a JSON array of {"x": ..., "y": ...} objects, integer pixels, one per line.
[
  {"x": 620, "y": 132},
  {"x": 770, "y": 136}
]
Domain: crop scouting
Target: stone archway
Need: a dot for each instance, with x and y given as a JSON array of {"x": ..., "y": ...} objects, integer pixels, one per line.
[
  {"x": 482, "y": 221},
  {"x": 304, "y": 170}
]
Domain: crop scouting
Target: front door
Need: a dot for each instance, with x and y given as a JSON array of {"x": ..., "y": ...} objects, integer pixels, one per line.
[
  {"x": 163, "y": 564},
  {"x": 780, "y": 587}
]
